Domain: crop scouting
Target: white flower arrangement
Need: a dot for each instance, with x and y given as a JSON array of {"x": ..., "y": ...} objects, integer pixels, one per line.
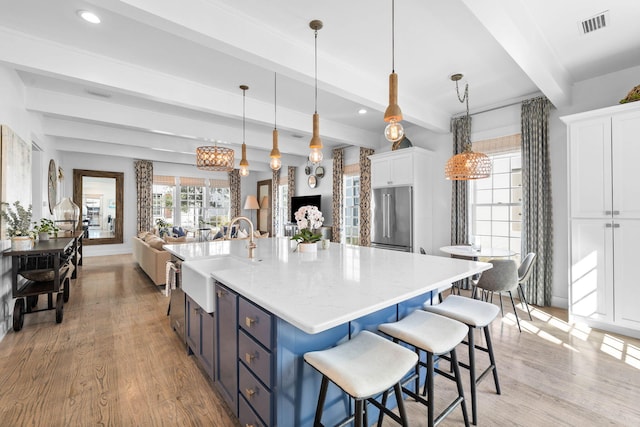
[{"x": 309, "y": 218}]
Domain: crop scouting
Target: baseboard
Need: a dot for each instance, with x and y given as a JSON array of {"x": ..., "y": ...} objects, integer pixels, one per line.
[{"x": 560, "y": 302}]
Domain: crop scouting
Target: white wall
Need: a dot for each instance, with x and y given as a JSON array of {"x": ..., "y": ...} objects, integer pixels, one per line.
[{"x": 28, "y": 126}]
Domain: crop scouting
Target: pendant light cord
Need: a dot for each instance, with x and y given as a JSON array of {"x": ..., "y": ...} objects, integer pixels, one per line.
[
  {"x": 316, "y": 69},
  {"x": 275, "y": 100},
  {"x": 243, "y": 113},
  {"x": 393, "y": 36}
]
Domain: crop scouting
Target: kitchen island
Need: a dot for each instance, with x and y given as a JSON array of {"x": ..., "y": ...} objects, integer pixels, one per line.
[{"x": 271, "y": 310}]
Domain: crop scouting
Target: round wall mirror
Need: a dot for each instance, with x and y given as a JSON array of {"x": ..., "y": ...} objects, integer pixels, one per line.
[
  {"x": 312, "y": 181},
  {"x": 320, "y": 171}
]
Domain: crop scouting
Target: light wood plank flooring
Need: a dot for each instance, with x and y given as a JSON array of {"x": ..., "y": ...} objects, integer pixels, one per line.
[{"x": 114, "y": 361}]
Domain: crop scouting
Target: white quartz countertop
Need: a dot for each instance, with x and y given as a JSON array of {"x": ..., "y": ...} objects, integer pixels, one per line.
[{"x": 315, "y": 292}]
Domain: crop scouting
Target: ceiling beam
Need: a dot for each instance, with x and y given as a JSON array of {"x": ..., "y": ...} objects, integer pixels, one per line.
[{"x": 514, "y": 29}]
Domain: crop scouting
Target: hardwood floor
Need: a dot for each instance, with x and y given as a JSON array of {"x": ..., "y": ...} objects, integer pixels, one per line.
[{"x": 115, "y": 361}]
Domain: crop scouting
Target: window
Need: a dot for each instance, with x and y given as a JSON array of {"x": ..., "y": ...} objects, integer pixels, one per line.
[
  {"x": 163, "y": 194},
  {"x": 218, "y": 203},
  {"x": 192, "y": 191},
  {"x": 200, "y": 201},
  {"x": 283, "y": 207},
  {"x": 496, "y": 202},
  {"x": 351, "y": 214}
]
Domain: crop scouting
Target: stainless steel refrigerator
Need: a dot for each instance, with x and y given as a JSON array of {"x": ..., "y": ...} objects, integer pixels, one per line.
[{"x": 392, "y": 218}]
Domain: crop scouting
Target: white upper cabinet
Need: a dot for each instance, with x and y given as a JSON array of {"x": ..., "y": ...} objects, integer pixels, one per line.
[
  {"x": 391, "y": 169},
  {"x": 590, "y": 168},
  {"x": 625, "y": 132}
]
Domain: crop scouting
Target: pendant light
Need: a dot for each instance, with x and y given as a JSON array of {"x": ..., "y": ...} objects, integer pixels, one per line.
[
  {"x": 467, "y": 165},
  {"x": 214, "y": 158},
  {"x": 244, "y": 164},
  {"x": 393, "y": 115},
  {"x": 315, "y": 156},
  {"x": 276, "y": 162}
]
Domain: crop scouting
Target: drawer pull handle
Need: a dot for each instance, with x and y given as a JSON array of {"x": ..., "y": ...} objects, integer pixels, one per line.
[
  {"x": 249, "y": 322},
  {"x": 221, "y": 293},
  {"x": 249, "y": 357},
  {"x": 249, "y": 392}
]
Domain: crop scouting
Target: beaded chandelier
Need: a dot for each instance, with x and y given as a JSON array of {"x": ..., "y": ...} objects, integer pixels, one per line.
[{"x": 214, "y": 158}]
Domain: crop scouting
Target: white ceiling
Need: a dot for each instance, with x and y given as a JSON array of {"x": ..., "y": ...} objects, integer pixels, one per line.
[{"x": 169, "y": 71}]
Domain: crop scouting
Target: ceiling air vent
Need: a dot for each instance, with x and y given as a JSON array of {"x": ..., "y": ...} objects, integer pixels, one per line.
[{"x": 594, "y": 23}]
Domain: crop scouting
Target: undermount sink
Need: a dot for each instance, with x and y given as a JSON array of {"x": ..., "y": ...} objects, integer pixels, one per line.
[{"x": 198, "y": 283}]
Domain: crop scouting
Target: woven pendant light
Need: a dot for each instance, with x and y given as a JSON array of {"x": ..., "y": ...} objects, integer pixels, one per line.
[{"x": 467, "y": 165}]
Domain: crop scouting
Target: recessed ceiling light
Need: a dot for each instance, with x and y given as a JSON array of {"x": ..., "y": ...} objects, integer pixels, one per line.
[
  {"x": 362, "y": 111},
  {"x": 88, "y": 16},
  {"x": 96, "y": 93}
]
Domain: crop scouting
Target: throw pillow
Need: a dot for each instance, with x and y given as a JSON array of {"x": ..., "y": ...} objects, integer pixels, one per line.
[
  {"x": 218, "y": 235},
  {"x": 265, "y": 234},
  {"x": 142, "y": 235},
  {"x": 256, "y": 233},
  {"x": 178, "y": 232},
  {"x": 242, "y": 234},
  {"x": 170, "y": 239},
  {"x": 156, "y": 243}
]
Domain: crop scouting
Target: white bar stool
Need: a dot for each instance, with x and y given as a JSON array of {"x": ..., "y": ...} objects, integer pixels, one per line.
[
  {"x": 363, "y": 367},
  {"x": 475, "y": 314},
  {"x": 436, "y": 335}
]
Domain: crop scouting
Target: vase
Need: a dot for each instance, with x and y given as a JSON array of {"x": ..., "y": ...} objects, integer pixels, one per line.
[
  {"x": 43, "y": 235},
  {"x": 67, "y": 215},
  {"x": 308, "y": 247},
  {"x": 21, "y": 243}
]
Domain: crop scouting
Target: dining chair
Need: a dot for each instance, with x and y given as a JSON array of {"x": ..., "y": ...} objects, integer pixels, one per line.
[
  {"x": 524, "y": 271},
  {"x": 503, "y": 277}
]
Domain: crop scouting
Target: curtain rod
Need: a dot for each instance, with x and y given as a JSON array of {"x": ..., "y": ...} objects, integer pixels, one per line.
[{"x": 509, "y": 103}]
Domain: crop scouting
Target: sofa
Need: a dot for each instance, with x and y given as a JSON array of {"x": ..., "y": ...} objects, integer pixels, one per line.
[{"x": 152, "y": 258}]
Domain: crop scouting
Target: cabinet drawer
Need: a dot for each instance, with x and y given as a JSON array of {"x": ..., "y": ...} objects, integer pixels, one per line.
[
  {"x": 255, "y": 357},
  {"x": 247, "y": 417},
  {"x": 255, "y": 321},
  {"x": 258, "y": 397}
]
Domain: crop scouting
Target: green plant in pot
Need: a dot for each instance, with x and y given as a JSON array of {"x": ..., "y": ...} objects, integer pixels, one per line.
[
  {"x": 163, "y": 226},
  {"x": 18, "y": 223},
  {"x": 45, "y": 228}
]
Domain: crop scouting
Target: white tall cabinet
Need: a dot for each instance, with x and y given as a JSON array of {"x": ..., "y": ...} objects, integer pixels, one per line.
[
  {"x": 409, "y": 166},
  {"x": 604, "y": 223}
]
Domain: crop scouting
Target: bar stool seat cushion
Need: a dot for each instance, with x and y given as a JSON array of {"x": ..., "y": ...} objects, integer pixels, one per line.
[
  {"x": 466, "y": 310},
  {"x": 427, "y": 331},
  {"x": 365, "y": 365}
]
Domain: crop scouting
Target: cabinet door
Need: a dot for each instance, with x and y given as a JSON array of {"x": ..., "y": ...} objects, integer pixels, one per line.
[
  {"x": 627, "y": 286},
  {"x": 591, "y": 291},
  {"x": 402, "y": 169},
  {"x": 393, "y": 170},
  {"x": 227, "y": 345},
  {"x": 207, "y": 342},
  {"x": 192, "y": 325},
  {"x": 625, "y": 152},
  {"x": 590, "y": 168},
  {"x": 380, "y": 173}
]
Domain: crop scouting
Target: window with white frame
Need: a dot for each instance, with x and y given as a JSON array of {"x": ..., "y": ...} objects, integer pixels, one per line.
[
  {"x": 351, "y": 205},
  {"x": 496, "y": 202},
  {"x": 283, "y": 206},
  {"x": 201, "y": 202},
  {"x": 218, "y": 204},
  {"x": 164, "y": 188},
  {"x": 192, "y": 191}
]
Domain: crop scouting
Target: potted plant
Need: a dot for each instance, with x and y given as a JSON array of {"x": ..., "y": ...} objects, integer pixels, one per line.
[
  {"x": 45, "y": 228},
  {"x": 18, "y": 226},
  {"x": 163, "y": 226},
  {"x": 309, "y": 219}
]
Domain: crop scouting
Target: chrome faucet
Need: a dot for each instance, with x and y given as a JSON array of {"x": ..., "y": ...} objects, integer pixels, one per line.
[{"x": 252, "y": 244}]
